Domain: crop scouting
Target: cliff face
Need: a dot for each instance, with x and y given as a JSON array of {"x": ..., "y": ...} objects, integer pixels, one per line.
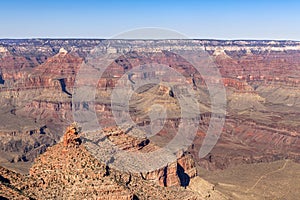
[
  {"x": 176, "y": 173},
  {"x": 261, "y": 79},
  {"x": 67, "y": 170}
]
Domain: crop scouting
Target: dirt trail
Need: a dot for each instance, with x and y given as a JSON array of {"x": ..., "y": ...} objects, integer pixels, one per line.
[{"x": 267, "y": 174}]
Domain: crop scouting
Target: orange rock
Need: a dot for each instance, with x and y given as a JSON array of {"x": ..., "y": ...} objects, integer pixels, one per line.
[{"x": 71, "y": 136}]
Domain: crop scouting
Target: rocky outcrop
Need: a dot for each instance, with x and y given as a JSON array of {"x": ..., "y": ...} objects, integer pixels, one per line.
[
  {"x": 177, "y": 173},
  {"x": 67, "y": 170},
  {"x": 71, "y": 136}
]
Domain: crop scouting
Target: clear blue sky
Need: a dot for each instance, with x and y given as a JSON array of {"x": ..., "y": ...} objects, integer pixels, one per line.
[{"x": 236, "y": 19}]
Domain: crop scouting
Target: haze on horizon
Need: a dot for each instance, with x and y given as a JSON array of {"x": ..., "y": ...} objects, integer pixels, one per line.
[{"x": 265, "y": 19}]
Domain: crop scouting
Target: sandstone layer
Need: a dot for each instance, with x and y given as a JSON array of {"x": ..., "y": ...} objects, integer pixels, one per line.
[{"x": 261, "y": 78}]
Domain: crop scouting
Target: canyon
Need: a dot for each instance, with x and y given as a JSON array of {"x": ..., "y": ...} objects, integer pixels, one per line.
[{"x": 38, "y": 79}]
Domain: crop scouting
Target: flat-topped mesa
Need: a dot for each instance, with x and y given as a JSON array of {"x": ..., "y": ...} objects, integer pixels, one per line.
[
  {"x": 177, "y": 173},
  {"x": 72, "y": 136}
]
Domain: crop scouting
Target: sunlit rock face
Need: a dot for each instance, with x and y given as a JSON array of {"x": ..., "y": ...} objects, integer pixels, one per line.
[
  {"x": 67, "y": 170},
  {"x": 261, "y": 80}
]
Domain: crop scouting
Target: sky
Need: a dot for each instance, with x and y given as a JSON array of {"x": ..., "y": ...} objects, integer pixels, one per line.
[{"x": 210, "y": 19}]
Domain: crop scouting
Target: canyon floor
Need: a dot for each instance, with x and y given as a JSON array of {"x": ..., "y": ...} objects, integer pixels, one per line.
[{"x": 275, "y": 180}]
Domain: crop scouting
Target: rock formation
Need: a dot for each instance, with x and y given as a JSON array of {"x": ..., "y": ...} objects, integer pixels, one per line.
[
  {"x": 261, "y": 80},
  {"x": 68, "y": 171},
  {"x": 71, "y": 136}
]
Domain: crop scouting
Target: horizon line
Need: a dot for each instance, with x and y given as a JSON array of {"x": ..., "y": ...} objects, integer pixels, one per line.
[{"x": 98, "y": 38}]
